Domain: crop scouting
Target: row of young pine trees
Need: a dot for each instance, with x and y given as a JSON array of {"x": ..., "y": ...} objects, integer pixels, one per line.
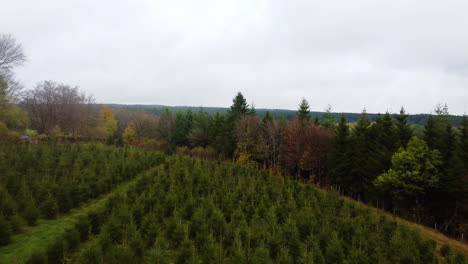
[
  {"x": 42, "y": 181},
  {"x": 195, "y": 211}
]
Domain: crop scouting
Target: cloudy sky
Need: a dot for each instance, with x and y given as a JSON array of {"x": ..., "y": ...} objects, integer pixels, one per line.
[{"x": 350, "y": 54}]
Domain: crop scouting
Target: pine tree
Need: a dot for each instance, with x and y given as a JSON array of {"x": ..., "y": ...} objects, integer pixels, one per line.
[
  {"x": 340, "y": 155},
  {"x": 267, "y": 118},
  {"x": 238, "y": 108},
  {"x": 405, "y": 132},
  {"x": 360, "y": 174},
  {"x": 328, "y": 121},
  {"x": 385, "y": 142},
  {"x": 463, "y": 149},
  {"x": 303, "y": 113}
]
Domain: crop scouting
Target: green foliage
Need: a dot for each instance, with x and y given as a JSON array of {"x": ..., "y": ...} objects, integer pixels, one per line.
[
  {"x": 340, "y": 162},
  {"x": 239, "y": 107},
  {"x": 415, "y": 171},
  {"x": 328, "y": 120},
  {"x": 303, "y": 113},
  {"x": 405, "y": 132},
  {"x": 31, "y": 214},
  {"x": 44, "y": 180},
  {"x": 5, "y": 231},
  {"x": 49, "y": 208},
  {"x": 209, "y": 212}
]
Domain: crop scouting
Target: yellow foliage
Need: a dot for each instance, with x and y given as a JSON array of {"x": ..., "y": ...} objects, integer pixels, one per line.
[
  {"x": 3, "y": 131},
  {"x": 109, "y": 122},
  {"x": 183, "y": 151},
  {"x": 246, "y": 160},
  {"x": 55, "y": 131},
  {"x": 130, "y": 135}
]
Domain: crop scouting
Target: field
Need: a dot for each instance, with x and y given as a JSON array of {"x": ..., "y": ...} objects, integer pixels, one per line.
[{"x": 168, "y": 209}]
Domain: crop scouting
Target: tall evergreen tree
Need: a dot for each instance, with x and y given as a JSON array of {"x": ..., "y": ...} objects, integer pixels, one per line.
[
  {"x": 239, "y": 107},
  {"x": 339, "y": 157},
  {"x": 405, "y": 132},
  {"x": 303, "y": 113},
  {"x": 464, "y": 141},
  {"x": 385, "y": 139},
  {"x": 182, "y": 126},
  {"x": 267, "y": 117},
  {"x": 360, "y": 172},
  {"x": 328, "y": 121}
]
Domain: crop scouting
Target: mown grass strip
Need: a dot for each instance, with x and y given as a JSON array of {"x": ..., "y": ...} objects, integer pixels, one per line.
[{"x": 36, "y": 238}]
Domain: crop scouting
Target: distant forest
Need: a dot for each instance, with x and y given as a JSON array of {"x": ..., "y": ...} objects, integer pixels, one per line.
[{"x": 415, "y": 119}]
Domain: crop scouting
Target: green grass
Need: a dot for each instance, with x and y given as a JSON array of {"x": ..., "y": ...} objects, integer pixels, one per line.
[
  {"x": 46, "y": 231},
  {"x": 425, "y": 232}
]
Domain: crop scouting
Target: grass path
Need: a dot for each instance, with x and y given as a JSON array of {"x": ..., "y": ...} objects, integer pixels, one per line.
[{"x": 40, "y": 236}]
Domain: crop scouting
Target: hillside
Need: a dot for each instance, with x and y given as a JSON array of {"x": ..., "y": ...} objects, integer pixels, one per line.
[{"x": 193, "y": 211}]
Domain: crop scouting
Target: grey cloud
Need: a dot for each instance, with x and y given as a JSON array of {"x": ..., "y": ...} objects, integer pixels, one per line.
[{"x": 350, "y": 54}]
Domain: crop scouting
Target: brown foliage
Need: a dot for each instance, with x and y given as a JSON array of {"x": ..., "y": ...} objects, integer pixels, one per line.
[
  {"x": 305, "y": 149},
  {"x": 247, "y": 131}
]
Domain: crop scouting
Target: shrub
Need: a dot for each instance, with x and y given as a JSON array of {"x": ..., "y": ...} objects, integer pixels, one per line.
[
  {"x": 38, "y": 257},
  {"x": 31, "y": 214},
  {"x": 5, "y": 231},
  {"x": 49, "y": 208}
]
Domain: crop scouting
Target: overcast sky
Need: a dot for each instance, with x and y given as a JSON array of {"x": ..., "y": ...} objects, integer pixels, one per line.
[{"x": 350, "y": 54}]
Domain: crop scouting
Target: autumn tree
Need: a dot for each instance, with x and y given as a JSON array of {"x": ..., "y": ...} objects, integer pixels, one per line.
[
  {"x": 146, "y": 126},
  {"x": 11, "y": 56},
  {"x": 273, "y": 132},
  {"x": 11, "y": 115},
  {"x": 109, "y": 124},
  {"x": 238, "y": 109},
  {"x": 305, "y": 149},
  {"x": 166, "y": 125},
  {"x": 52, "y": 104},
  {"x": 249, "y": 145}
]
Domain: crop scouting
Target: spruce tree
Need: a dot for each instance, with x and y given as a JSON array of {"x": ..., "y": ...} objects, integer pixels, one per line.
[
  {"x": 405, "y": 132},
  {"x": 303, "y": 113},
  {"x": 360, "y": 174},
  {"x": 267, "y": 118},
  {"x": 238, "y": 108},
  {"x": 385, "y": 142},
  {"x": 328, "y": 121},
  {"x": 339, "y": 157},
  {"x": 463, "y": 149}
]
